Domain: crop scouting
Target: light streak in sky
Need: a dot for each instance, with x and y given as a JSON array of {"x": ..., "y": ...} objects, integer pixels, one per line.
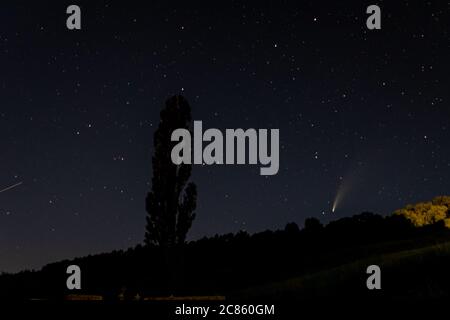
[{"x": 11, "y": 187}]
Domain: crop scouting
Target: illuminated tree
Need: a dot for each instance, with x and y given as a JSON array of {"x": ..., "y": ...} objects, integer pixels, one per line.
[
  {"x": 442, "y": 201},
  {"x": 425, "y": 213}
]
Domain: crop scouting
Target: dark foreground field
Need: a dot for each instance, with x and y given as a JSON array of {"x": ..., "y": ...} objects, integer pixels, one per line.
[
  {"x": 313, "y": 263},
  {"x": 411, "y": 274}
]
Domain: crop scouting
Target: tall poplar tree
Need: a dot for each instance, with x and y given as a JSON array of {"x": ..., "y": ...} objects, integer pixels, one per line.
[{"x": 172, "y": 201}]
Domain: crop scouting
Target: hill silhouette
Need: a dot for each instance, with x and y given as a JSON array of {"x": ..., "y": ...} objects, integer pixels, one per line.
[{"x": 230, "y": 264}]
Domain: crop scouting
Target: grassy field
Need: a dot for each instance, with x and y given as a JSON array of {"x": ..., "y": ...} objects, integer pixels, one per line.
[{"x": 420, "y": 273}]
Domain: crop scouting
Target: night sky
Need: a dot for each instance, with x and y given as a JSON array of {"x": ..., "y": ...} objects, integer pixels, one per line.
[{"x": 364, "y": 112}]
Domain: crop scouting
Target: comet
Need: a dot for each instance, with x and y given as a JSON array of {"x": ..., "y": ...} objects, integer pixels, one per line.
[
  {"x": 342, "y": 191},
  {"x": 11, "y": 187},
  {"x": 346, "y": 186},
  {"x": 338, "y": 198}
]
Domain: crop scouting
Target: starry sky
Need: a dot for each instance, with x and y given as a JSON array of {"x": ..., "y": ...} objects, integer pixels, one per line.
[{"x": 364, "y": 112}]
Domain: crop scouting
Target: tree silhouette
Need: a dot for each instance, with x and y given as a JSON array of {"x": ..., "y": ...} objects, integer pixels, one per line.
[
  {"x": 313, "y": 225},
  {"x": 172, "y": 201}
]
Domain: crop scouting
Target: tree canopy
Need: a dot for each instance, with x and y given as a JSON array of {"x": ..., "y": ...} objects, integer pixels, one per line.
[{"x": 426, "y": 213}]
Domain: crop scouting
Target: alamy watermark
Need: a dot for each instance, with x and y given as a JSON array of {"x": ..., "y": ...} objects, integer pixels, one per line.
[{"x": 189, "y": 150}]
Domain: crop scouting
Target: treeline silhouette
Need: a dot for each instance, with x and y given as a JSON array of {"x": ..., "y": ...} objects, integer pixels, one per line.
[{"x": 226, "y": 264}]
